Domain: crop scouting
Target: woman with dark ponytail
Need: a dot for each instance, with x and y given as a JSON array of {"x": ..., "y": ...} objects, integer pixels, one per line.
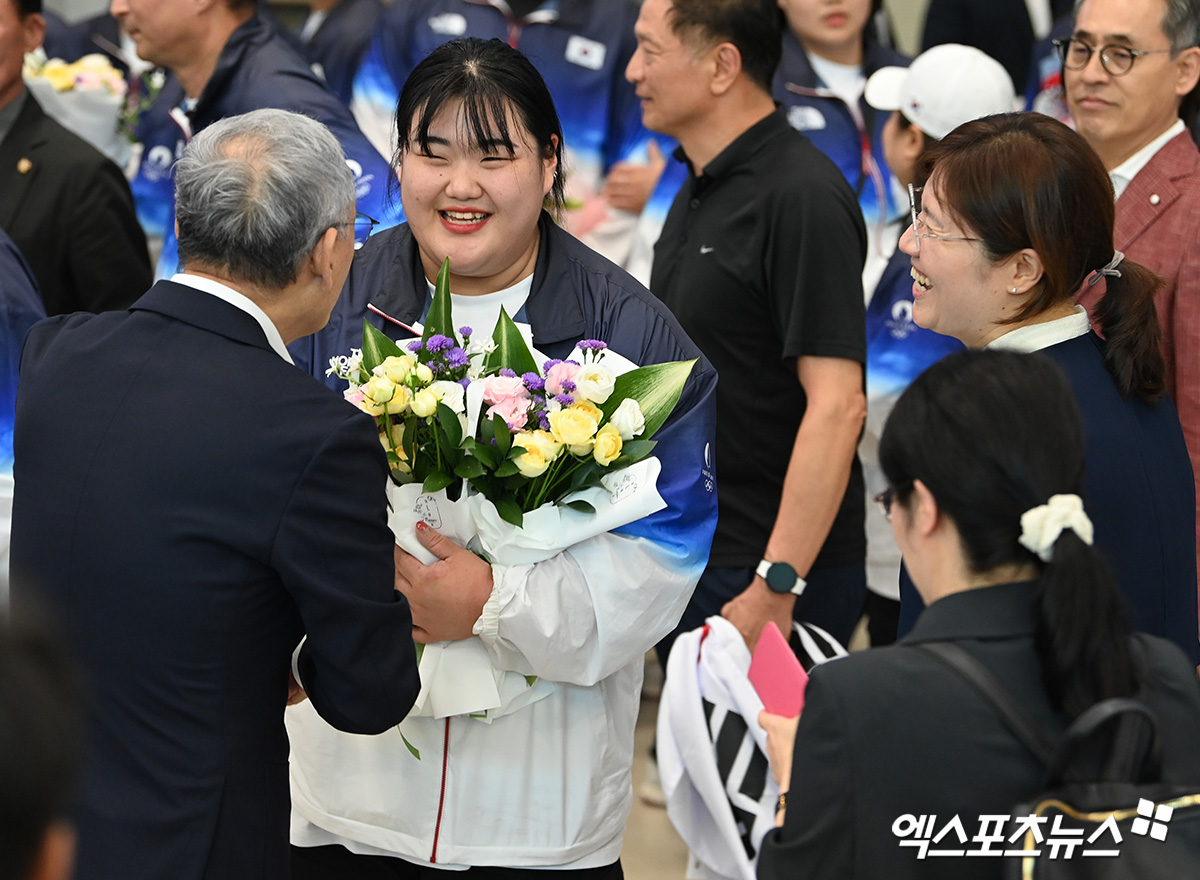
[
  {"x": 1015, "y": 217},
  {"x": 985, "y": 464}
]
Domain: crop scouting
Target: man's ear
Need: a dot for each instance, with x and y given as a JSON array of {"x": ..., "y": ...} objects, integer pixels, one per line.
[
  {"x": 33, "y": 31},
  {"x": 1187, "y": 71},
  {"x": 728, "y": 66},
  {"x": 321, "y": 261},
  {"x": 55, "y": 856}
]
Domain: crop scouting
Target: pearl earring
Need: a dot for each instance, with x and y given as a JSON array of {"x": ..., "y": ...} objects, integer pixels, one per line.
[{"x": 1014, "y": 290}]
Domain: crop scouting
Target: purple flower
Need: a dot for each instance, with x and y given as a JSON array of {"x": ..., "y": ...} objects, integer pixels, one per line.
[
  {"x": 568, "y": 386},
  {"x": 465, "y": 383},
  {"x": 508, "y": 374},
  {"x": 438, "y": 342},
  {"x": 456, "y": 357},
  {"x": 543, "y": 421},
  {"x": 533, "y": 381},
  {"x": 548, "y": 365},
  {"x": 465, "y": 331},
  {"x": 415, "y": 345},
  {"x": 565, "y": 399},
  {"x": 592, "y": 345}
]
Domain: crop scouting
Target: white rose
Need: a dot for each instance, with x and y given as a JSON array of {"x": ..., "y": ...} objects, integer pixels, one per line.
[
  {"x": 593, "y": 382},
  {"x": 450, "y": 393},
  {"x": 424, "y": 403},
  {"x": 628, "y": 419}
]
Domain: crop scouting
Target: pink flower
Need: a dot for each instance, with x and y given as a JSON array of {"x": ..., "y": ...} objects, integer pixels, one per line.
[
  {"x": 355, "y": 396},
  {"x": 559, "y": 373},
  {"x": 512, "y": 410},
  {"x": 497, "y": 389}
]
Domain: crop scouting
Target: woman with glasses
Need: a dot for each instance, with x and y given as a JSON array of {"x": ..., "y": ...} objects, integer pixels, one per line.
[
  {"x": 985, "y": 456},
  {"x": 543, "y": 782},
  {"x": 1015, "y": 218}
]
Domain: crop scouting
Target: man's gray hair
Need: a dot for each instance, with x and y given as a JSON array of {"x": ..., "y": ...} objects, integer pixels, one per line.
[
  {"x": 1180, "y": 23},
  {"x": 255, "y": 193}
]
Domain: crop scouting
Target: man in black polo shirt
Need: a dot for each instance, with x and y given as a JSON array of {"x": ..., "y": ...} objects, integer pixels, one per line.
[{"x": 760, "y": 260}]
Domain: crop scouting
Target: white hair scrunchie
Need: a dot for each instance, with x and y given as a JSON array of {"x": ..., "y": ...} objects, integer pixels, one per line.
[{"x": 1041, "y": 525}]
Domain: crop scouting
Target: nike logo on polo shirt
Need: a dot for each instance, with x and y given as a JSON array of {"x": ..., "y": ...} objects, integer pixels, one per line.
[{"x": 705, "y": 249}]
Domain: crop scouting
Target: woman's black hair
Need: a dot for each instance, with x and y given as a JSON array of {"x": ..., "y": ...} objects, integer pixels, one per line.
[
  {"x": 491, "y": 79},
  {"x": 993, "y": 434},
  {"x": 1024, "y": 180}
]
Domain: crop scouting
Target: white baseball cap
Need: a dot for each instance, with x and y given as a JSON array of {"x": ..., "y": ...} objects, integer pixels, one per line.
[{"x": 944, "y": 87}]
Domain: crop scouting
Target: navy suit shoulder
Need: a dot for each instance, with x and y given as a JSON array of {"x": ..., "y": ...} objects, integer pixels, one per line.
[
  {"x": 1139, "y": 489},
  {"x": 223, "y": 506}
]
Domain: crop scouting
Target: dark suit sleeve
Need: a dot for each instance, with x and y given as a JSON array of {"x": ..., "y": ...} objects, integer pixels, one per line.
[
  {"x": 817, "y": 837},
  {"x": 109, "y": 263},
  {"x": 334, "y": 554}
]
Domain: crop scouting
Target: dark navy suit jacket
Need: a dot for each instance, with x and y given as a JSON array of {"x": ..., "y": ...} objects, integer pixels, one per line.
[
  {"x": 1138, "y": 493},
  {"x": 192, "y": 505}
]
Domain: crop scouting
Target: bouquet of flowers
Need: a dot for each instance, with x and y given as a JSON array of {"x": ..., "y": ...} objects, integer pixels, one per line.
[
  {"x": 86, "y": 96},
  {"x": 515, "y": 456}
]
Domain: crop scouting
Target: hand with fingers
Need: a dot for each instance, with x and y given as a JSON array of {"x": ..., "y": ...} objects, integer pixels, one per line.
[
  {"x": 629, "y": 185},
  {"x": 447, "y": 596}
]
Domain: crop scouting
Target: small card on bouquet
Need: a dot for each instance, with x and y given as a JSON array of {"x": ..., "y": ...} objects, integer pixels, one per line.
[{"x": 777, "y": 675}]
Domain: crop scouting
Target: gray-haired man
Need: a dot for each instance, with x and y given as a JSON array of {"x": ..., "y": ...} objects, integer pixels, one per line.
[{"x": 217, "y": 505}]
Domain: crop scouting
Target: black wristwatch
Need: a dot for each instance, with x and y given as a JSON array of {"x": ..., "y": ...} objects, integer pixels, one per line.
[{"x": 780, "y": 577}]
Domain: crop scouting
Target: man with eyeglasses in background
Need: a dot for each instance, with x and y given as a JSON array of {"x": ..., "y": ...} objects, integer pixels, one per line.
[{"x": 1130, "y": 69}]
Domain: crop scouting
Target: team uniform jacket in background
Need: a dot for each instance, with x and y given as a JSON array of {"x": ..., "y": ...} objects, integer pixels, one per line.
[
  {"x": 258, "y": 68},
  {"x": 550, "y": 784},
  {"x": 581, "y": 48}
]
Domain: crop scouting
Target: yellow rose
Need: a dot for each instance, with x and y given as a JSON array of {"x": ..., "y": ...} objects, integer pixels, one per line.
[
  {"x": 59, "y": 75},
  {"x": 395, "y": 443},
  {"x": 424, "y": 403},
  {"x": 589, "y": 408},
  {"x": 540, "y": 450},
  {"x": 424, "y": 374},
  {"x": 572, "y": 427},
  {"x": 377, "y": 392},
  {"x": 608, "y": 446},
  {"x": 397, "y": 369},
  {"x": 400, "y": 400}
]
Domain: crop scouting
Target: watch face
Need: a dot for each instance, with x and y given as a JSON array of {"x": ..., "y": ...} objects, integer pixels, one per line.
[{"x": 781, "y": 577}]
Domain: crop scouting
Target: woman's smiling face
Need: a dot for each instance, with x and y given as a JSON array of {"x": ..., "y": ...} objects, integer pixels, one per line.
[
  {"x": 957, "y": 291},
  {"x": 476, "y": 204}
]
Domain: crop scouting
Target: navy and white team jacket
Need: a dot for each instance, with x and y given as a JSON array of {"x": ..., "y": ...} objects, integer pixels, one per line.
[
  {"x": 580, "y": 47},
  {"x": 548, "y": 785},
  {"x": 851, "y": 136},
  {"x": 257, "y": 69}
]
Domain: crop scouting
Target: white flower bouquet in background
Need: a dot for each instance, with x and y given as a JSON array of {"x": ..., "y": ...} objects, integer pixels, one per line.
[{"x": 85, "y": 96}]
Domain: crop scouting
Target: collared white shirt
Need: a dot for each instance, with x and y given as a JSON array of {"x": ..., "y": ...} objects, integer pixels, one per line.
[
  {"x": 239, "y": 301},
  {"x": 1124, "y": 173},
  {"x": 1035, "y": 337}
]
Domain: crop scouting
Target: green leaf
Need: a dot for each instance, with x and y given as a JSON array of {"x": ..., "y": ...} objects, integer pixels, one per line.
[
  {"x": 510, "y": 351},
  {"x": 376, "y": 347},
  {"x": 656, "y": 388},
  {"x": 413, "y": 749},
  {"x": 509, "y": 511},
  {"x": 502, "y": 434},
  {"x": 486, "y": 453},
  {"x": 531, "y": 680},
  {"x": 448, "y": 419},
  {"x": 440, "y": 319},
  {"x": 508, "y": 468},
  {"x": 636, "y": 450},
  {"x": 470, "y": 469},
  {"x": 437, "y": 480},
  {"x": 581, "y": 506}
]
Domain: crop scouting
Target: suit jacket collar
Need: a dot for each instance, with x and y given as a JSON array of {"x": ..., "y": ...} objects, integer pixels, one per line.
[
  {"x": 1152, "y": 191},
  {"x": 202, "y": 310},
  {"x": 998, "y": 612},
  {"x": 24, "y": 141}
]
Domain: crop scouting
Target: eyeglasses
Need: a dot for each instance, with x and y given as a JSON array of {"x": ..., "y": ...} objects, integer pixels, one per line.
[
  {"x": 1116, "y": 60},
  {"x": 918, "y": 225},
  {"x": 364, "y": 225}
]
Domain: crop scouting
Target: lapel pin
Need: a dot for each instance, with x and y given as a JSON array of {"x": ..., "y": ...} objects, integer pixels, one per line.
[
  {"x": 1154, "y": 199},
  {"x": 24, "y": 166}
]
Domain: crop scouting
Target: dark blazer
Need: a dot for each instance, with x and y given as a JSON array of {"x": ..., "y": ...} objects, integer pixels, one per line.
[
  {"x": 69, "y": 210},
  {"x": 892, "y": 731},
  {"x": 192, "y": 505}
]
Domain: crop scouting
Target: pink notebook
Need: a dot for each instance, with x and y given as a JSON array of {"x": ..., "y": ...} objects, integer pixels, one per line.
[{"x": 777, "y": 675}]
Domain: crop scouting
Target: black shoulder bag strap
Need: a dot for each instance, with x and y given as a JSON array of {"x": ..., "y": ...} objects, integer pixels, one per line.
[{"x": 1019, "y": 721}]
